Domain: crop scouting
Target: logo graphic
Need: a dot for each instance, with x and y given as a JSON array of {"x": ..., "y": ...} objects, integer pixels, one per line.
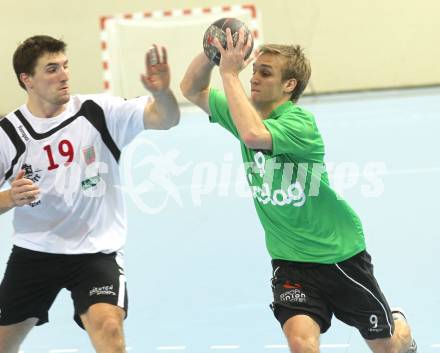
[
  {"x": 23, "y": 133},
  {"x": 289, "y": 285},
  {"x": 293, "y": 296},
  {"x": 260, "y": 162},
  {"x": 90, "y": 182},
  {"x": 105, "y": 290},
  {"x": 32, "y": 175},
  {"x": 286, "y": 194},
  {"x": 89, "y": 154},
  {"x": 160, "y": 168}
]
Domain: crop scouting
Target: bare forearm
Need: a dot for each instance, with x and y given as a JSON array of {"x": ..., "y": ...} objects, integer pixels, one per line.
[
  {"x": 197, "y": 77},
  {"x": 167, "y": 108},
  {"x": 6, "y": 202},
  {"x": 163, "y": 112},
  {"x": 246, "y": 118}
]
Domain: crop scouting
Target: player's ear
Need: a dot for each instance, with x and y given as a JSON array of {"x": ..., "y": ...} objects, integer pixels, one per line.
[
  {"x": 290, "y": 85},
  {"x": 26, "y": 79}
]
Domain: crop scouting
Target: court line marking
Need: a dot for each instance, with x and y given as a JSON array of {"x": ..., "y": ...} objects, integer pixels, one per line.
[
  {"x": 412, "y": 171},
  {"x": 284, "y": 346},
  {"x": 171, "y": 348},
  {"x": 218, "y": 347}
]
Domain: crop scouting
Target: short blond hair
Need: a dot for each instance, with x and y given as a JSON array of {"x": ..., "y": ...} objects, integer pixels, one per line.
[{"x": 296, "y": 65}]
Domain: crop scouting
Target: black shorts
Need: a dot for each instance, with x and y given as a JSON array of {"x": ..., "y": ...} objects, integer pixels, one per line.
[
  {"x": 33, "y": 279},
  {"x": 346, "y": 289}
]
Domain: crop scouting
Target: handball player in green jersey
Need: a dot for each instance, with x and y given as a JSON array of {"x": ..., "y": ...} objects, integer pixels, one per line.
[{"x": 315, "y": 239}]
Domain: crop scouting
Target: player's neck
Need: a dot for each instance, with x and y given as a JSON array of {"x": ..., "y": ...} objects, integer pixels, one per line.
[
  {"x": 265, "y": 109},
  {"x": 43, "y": 109}
]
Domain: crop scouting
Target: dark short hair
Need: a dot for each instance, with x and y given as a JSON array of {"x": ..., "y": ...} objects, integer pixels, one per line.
[
  {"x": 27, "y": 54},
  {"x": 296, "y": 65}
]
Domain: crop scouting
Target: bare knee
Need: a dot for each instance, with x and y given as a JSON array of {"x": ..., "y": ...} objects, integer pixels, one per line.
[
  {"x": 108, "y": 332},
  {"x": 303, "y": 344},
  {"x": 104, "y": 323},
  {"x": 302, "y": 333},
  {"x": 110, "y": 327},
  {"x": 387, "y": 345},
  {"x": 398, "y": 343},
  {"x": 402, "y": 333}
]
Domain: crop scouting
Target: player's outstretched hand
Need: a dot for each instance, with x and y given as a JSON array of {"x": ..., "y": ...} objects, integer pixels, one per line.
[{"x": 157, "y": 76}]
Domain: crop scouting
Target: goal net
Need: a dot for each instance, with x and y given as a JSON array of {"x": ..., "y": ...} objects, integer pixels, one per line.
[{"x": 125, "y": 39}]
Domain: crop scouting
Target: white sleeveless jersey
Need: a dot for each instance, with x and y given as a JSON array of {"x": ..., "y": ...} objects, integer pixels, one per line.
[{"x": 73, "y": 158}]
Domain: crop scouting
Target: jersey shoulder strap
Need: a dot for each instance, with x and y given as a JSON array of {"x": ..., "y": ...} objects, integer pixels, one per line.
[
  {"x": 92, "y": 112},
  {"x": 16, "y": 140}
]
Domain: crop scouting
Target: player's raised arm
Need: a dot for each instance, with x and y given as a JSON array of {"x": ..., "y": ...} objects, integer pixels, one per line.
[
  {"x": 195, "y": 82},
  {"x": 163, "y": 112}
]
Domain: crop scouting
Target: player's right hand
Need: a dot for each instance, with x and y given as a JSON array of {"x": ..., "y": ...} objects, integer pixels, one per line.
[
  {"x": 157, "y": 77},
  {"x": 23, "y": 191}
]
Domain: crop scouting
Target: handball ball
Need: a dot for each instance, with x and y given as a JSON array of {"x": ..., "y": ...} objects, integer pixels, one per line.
[{"x": 218, "y": 30}]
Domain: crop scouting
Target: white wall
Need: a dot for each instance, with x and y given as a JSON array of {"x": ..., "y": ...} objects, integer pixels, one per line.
[{"x": 352, "y": 44}]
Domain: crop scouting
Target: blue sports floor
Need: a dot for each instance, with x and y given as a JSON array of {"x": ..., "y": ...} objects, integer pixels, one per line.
[{"x": 198, "y": 272}]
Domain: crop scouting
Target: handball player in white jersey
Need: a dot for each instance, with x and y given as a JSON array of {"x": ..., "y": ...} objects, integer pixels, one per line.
[{"x": 60, "y": 155}]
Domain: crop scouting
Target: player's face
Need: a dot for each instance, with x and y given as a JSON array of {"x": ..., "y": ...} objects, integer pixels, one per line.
[
  {"x": 267, "y": 86},
  {"x": 50, "y": 82}
]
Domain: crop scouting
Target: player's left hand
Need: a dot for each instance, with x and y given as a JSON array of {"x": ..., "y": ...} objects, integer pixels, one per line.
[
  {"x": 157, "y": 76},
  {"x": 232, "y": 58}
]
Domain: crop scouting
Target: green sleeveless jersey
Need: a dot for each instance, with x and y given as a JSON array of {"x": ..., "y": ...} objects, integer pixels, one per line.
[{"x": 303, "y": 217}]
